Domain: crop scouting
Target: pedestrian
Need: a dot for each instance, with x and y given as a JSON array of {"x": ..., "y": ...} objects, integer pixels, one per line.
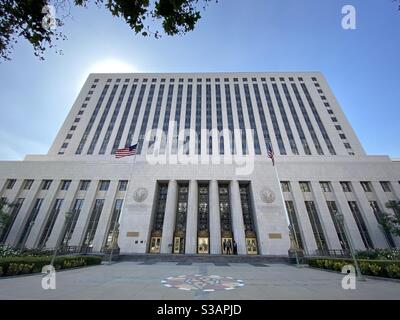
[
  {"x": 229, "y": 247},
  {"x": 224, "y": 246},
  {"x": 234, "y": 247}
]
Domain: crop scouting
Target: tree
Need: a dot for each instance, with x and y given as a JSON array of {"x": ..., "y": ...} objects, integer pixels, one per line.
[
  {"x": 37, "y": 21},
  {"x": 391, "y": 222}
]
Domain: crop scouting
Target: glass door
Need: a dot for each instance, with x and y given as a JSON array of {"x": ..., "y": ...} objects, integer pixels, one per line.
[
  {"x": 227, "y": 246},
  {"x": 155, "y": 244},
  {"x": 202, "y": 245},
  {"x": 179, "y": 245},
  {"x": 251, "y": 246}
]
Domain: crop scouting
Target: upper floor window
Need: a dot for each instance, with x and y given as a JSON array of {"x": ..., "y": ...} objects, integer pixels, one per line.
[
  {"x": 346, "y": 186},
  {"x": 325, "y": 186},
  {"x": 386, "y": 186},
  {"x": 84, "y": 185},
  {"x": 305, "y": 186},
  {"x": 366, "y": 186},
  {"x": 10, "y": 183},
  {"x": 104, "y": 184},
  {"x": 65, "y": 184},
  {"x": 285, "y": 186},
  {"x": 28, "y": 184},
  {"x": 46, "y": 184},
  {"x": 122, "y": 185}
]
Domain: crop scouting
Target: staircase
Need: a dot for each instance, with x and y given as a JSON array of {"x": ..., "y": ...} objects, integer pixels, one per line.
[{"x": 160, "y": 257}]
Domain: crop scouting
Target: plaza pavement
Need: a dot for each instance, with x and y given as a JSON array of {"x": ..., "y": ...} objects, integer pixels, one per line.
[{"x": 141, "y": 280}]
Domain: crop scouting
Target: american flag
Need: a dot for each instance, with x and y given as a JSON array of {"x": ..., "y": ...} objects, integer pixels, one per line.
[
  {"x": 271, "y": 153},
  {"x": 124, "y": 152}
]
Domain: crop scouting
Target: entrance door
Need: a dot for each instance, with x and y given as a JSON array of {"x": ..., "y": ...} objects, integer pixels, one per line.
[
  {"x": 179, "y": 245},
  {"x": 227, "y": 246},
  {"x": 155, "y": 244},
  {"x": 202, "y": 245},
  {"x": 251, "y": 246}
]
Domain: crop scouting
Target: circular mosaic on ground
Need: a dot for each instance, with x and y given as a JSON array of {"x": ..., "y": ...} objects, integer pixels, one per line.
[{"x": 203, "y": 283}]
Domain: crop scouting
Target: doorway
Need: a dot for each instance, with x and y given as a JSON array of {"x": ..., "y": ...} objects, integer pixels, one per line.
[{"x": 155, "y": 243}]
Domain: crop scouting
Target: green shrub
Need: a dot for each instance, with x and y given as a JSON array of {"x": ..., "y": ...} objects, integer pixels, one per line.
[
  {"x": 23, "y": 265},
  {"x": 381, "y": 268},
  {"x": 393, "y": 270}
]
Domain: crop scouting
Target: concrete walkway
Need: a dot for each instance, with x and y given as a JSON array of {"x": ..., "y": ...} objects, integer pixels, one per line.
[{"x": 143, "y": 280}]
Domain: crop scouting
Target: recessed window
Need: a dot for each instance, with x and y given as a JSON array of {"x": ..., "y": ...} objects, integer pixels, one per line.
[
  {"x": 330, "y": 111},
  {"x": 235, "y": 79},
  {"x": 46, "y": 184},
  {"x": 342, "y": 136},
  {"x": 244, "y": 79},
  {"x": 208, "y": 80},
  {"x": 272, "y": 79},
  {"x": 69, "y": 136},
  {"x": 127, "y": 80},
  {"x": 199, "y": 79},
  {"x": 338, "y": 127},
  {"x": 10, "y": 183},
  {"x": 144, "y": 80},
  {"x": 162, "y": 80},
  {"x": 334, "y": 119},
  {"x": 320, "y": 91},
  {"x": 87, "y": 98},
  {"x": 65, "y": 184},
  {"x": 73, "y": 128},
  {"x": 323, "y": 97},
  {"x": 346, "y": 186},
  {"x": 96, "y": 80},
  {"x": 386, "y": 186},
  {"x": 282, "y": 79},
  {"x": 28, "y": 184},
  {"x": 122, "y": 185},
  {"x": 84, "y": 106},
  {"x": 253, "y": 79},
  {"x": 90, "y": 92},
  {"x": 285, "y": 186},
  {"x": 180, "y": 79},
  {"x": 104, "y": 184},
  {"x": 108, "y": 80},
  {"x": 347, "y": 145},
  {"x": 135, "y": 80},
  {"x": 366, "y": 185},
  {"x": 301, "y": 79},
  {"x": 314, "y": 79},
  {"x": 305, "y": 186},
  {"x": 326, "y": 104},
  {"x": 291, "y": 79},
  {"x": 263, "y": 79},
  {"x": 84, "y": 185},
  {"x": 325, "y": 186},
  {"x": 153, "y": 80},
  {"x": 77, "y": 119},
  {"x": 93, "y": 86},
  {"x": 64, "y": 145},
  {"x": 118, "y": 80},
  {"x": 80, "y": 112}
]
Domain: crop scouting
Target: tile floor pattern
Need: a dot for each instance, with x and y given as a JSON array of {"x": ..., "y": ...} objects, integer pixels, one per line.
[{"x": 138, "y": 280}]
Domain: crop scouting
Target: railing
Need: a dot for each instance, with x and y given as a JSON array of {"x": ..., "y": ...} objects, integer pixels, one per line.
[{"x": 332, "y": 253}]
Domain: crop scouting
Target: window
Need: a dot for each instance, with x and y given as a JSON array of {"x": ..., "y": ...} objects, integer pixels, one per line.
[
  {"x": 253, "y": 79},
  {"x": 386, "y": 186},
  {"x": 64, "y": 145},
  {"x": 285, "y": 185},
  {"x": 84, "y": 185},
  {"x": 153, "y": 80},
  {"x": 294, "y": 223},
  {"x": 51, "y": 220},
  {"x": 347, "y": 145},
  {"x": 93, "y": 222},
  {"x": 96, "y": 80},
  {"x": 93, "y": 86},
  {"x": 301, "y": 79},
  {"x": 325, "y": 186},
  {"x": 10, "y": 183},
  {"x": 342, "y": 136},
  {"x": 304, "y": 186},
  {"x": 108, "y": 80},
  {"x": 333, "y": 210},
  {"x": 334, "y": 119},
  {"x": 330, "y": 111},
  {"x": 104, "y": 184},
  {"x": 127, "y": 80},
  {"x": 366, "y": 185},
  {"x": 162, "y": 80},
  {"x": 122, "y": 185},
  {"x": 326, "y": 104},
  {"x": 244, "y": 79},
  {"x": 46, "y": 184},
  {"x": 73, "y": 128},
  {"x": 338, "y": 127},
  {"x": 263, "y": 79},
  {"x": 77, "y": 119},
  {"x": 90, "y": 92},
  {"x": 378, "y": 217},
  {"x": 80, "y": 112},
  {"x": 208, "y": 80},
  {"x": 346, "y": 186},
  {"x": 314, "y": 79},
  {"x": 316, "y": 226},
  {"x": 272, "y": 79},
  {"x": 65, "y": 184},
  {"x": 323, "y": 97},
  {"x": 111, "y": 239},
  {"x": 28, "y": 184}
]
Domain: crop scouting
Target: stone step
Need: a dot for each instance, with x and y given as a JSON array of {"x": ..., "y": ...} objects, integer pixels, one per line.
[{"x": 202, "y": 258}]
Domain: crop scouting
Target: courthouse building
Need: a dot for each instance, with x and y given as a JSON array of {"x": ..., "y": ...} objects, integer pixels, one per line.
[{"x": 202, "y": 178}]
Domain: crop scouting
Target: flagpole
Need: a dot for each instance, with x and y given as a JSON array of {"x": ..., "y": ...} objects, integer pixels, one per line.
[
  {"x": 290, "y": 227},
  {"x": 124, "y": 199}
]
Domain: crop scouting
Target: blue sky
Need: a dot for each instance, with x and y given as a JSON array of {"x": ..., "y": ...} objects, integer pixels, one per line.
[{"x": 362, "y": 66}]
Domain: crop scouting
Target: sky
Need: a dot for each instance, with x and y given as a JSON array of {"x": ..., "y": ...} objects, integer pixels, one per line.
[{"x": 361, "y": 66}]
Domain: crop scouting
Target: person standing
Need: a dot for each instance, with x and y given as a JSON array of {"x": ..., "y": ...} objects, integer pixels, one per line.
[
  {"x": 224, "y": 246},
  {"x": 229, "y": 247},
  {"x": 234, "y": 247}
]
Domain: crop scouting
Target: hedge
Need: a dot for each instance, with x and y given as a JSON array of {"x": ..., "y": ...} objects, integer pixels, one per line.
[
  {"x": 379, "y": 268},
  {"x": 11, "y": 266}
]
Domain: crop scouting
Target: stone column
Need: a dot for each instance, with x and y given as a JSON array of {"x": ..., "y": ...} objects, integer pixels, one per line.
[
  {"x": 325, "y": 216},
  {"x": 215, "y": 220},
  {"x": 191, "y": 219},
  {"x": 41, "y": 219},
  {"x": 344, "y": 209},
  {"x": 310, "y": 245},
  {"x": 23, "y": 215},
  {"x": 169, "y": 218},
  {"x": 60, "y": 221},
  {"x": 376, "y": 234},
  {"x": 105, "y": 217},
  {"x": 237, "y": 217}
]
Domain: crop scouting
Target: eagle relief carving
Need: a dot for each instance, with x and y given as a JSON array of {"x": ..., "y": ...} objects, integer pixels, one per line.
[
  {"x": 267, "y": 195},
  {"x": 140, "y": 194}
]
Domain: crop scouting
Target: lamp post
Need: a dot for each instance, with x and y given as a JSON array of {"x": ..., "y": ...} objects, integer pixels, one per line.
[
  {"x": 340, "y": 219},
  {"x": 116, "y": 226},
  {"x": 68, "y": 215},
  {"x": 293, "y": 244}
]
